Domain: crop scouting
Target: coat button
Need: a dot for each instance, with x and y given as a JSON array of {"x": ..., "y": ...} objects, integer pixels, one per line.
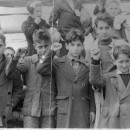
[
  {"x": 73, "y": 98},
  {"x": 9, "y": 93},
  {"x": 83, "y": 84},
  {"x": 83, "y": 98},
  {"x": 4, "y": 117}
]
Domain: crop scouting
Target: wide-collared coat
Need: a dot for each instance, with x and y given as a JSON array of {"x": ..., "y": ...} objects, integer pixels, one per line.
[
  {"x": 39, "y": 101},
  {"x": 115, "y": 112},
  {"x": 75, "y": 96}
]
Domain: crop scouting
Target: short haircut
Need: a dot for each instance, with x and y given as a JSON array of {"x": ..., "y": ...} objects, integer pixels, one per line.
[
  {"x": 123, "y": 49},
  {"x": 10, "y": 48},
  {"x": 31, "y": 5},
  {"x": 105, "y": 17},
  {"x": 73, "y": 35},
  {"x": 3, "y": 38},
  {"x": 41, "y": 35},
  {"x": 112, "y": 1}
]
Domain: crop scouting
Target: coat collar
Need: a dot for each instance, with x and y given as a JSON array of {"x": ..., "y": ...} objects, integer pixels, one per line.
[{"x": 67, "y": 69}]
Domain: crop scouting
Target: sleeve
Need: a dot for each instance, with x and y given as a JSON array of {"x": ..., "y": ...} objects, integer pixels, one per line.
[
  {"x": 28, "y": 28},
  {"x": 92, "y": 100},
  {"x": 54, "y": 16},
  {"x": 17, "y": 91},
  {"x": 44, "y": 66},
  {"x": 96, "y": 78},
  {"x": 14, "y": 68}
]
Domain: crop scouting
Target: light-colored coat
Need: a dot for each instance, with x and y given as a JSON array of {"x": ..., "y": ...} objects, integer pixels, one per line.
[{"x": 115, "y": 112}]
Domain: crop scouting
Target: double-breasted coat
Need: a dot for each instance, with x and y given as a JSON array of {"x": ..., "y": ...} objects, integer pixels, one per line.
[
  {"x": 75, "y": 98},
  {"x": 115, "y": 112}
]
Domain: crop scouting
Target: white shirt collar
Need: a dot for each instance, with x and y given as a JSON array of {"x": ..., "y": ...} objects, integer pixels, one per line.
[{"x": 119, "y": 72}]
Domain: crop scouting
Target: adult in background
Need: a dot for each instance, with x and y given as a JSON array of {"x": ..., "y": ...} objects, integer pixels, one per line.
[
  {"x": 67, "y": 14},
  {"x": 33, "y": 22}
]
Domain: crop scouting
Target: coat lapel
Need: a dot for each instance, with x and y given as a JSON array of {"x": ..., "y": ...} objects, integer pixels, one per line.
[
  {"x": 66, "y": 68},
  {"x": 127, "y": 91},
  {"x": 83, "y": 70}
]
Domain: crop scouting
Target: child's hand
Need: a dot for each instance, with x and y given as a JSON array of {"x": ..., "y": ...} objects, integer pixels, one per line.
[
  {"x": 37, "y": 20},
  {"x": 95, "y": 54},
  {"x": 19, "y": 52},
  {"x": 92, "y": 117},
  {"x": 56, "y": 46}
]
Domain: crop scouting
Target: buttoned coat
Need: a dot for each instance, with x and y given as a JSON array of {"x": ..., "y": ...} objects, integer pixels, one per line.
[
  {"x": 39, "y": 101},
  {"x": 115, "y": 112},
  {"x": 74, "y": 94}
]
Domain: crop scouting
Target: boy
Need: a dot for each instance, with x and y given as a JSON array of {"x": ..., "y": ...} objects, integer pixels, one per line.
[
  {"x": 10, "y": 90},
  {"x": 39, "y": 103},
  {"x": 34, "y": 21},
  {"x": 104, "y": 24},
  {"x": 116, "y": 107},
  {"x": 9, "y": 52},
  {"x": 76, "y": 106}
]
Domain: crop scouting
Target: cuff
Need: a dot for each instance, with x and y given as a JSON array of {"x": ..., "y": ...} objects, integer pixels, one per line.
[{"x": 95, "y": 62}]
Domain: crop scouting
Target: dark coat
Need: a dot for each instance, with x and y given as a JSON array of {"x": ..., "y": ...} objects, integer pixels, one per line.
[
  {"x": 10, "y": 92},
  {"x": 74, "y": 94},
  {"x": 115, "y": 112},
  {"x": 66, "y": 18},
  {"x": 28, "y": 28},
  {"x": 37, "y": 100}
]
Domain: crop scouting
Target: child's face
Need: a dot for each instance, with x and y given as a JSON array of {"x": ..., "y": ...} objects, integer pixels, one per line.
[
  {"x": 37, "y": 11},
  {"x": 113, "y": 9},
  {"x": 42, "y": 47},
  {"x": 75, "y": 48},
  {"x": 2, "y": 48},
  {"x": 123, "y": 63},
  {"x": 9, "y": 53},
  {"x": 103, "y": 30}
]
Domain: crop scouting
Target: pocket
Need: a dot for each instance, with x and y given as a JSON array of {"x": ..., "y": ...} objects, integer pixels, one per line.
[
  {"x": 105, "y": 112},
  {"x": 28, "y": 99},
  {"x": 63, "y": 102}
]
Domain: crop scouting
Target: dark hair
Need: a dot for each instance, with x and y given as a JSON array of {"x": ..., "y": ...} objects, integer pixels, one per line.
[
  {"x": 41, "y": 35},
  {"x": 31, "y": 9},
  {"x": 73, "y": 35},
  {"x": 105, "y": 17},
  {"x": 10, "y": 48},
  {"x": 3, "y": 38},
  {"x": 122, "y": 49}
]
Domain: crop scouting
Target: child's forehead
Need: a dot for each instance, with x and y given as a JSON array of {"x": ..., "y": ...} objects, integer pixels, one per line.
[
  {"x": 102, "y": 23},
  {"x": 42, "y": 43},
  {"x": 76, "y": 42}
]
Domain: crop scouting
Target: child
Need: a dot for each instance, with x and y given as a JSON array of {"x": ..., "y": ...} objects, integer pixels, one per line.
[
  {"x": 34, "y": 21},
  {"x": 9, "y": 52},
  {"x": 10, "y": 90},
  {"x": 76, "y": 106},
  {"x": 103, "y": 24},
  {"x": 39, "y": 102},
  {"x": 116, "y": 107}
]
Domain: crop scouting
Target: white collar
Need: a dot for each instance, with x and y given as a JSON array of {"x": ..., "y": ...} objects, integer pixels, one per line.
[{"x": 119, "y": 72}]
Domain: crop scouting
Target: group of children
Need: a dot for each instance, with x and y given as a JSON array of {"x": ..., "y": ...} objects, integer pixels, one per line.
[{"x": 61, "y": 92}]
